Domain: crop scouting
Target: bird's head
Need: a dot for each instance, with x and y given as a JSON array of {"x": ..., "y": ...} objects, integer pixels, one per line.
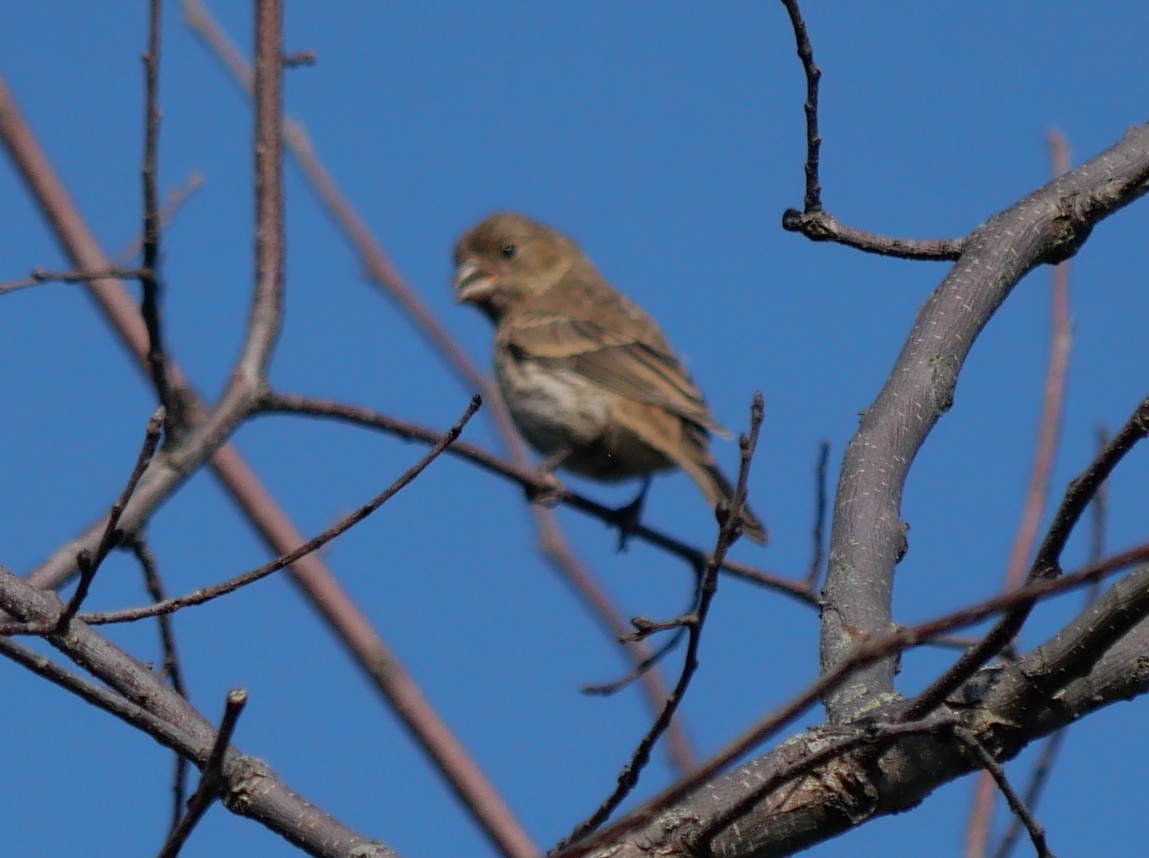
[{"x": 506, "y": 257}]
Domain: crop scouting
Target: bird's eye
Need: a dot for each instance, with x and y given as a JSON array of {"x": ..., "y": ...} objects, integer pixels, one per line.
[{"x": 508, "y": 251}]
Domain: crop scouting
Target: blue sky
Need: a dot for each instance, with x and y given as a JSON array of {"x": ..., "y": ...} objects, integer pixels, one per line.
[{"x": 668, "y": 140}]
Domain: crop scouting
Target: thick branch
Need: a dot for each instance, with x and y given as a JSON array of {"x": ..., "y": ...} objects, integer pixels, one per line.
[
  {"x": 869, "y": 536},
  {"x": 249, "y": 787},
  {"x": 819, "y": 784},
  {"x": 169, "y": 470}
]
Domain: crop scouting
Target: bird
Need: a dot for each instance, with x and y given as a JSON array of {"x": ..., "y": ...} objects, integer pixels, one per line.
[{"x": 589, "y": 378}]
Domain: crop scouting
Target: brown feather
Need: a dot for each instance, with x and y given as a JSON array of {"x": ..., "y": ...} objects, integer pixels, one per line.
[
  {"x": 616, "y": 362},
  {"x": 587, "y": 375}
]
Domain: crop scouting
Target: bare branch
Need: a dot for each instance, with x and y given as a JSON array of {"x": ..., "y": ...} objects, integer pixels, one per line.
[
  {"x": 171, "y": 661},
  {"x": 819, "y": 529},
  {"x": 378, "y": 661},
  {"x": 814, "y": 222},
  {"x": 207, "y": 594},
  {"x": 251, "y": 788},
  {"x": 1046, "y": 565},
  {"x": 728, "y": 531},
  {"x": 1003, "y": 706},
  {"x": 212, "y": 778},
  {"x": 150, "y": 285},
  {"x": 869, "y": 537},
  {"x": 997, "y": 774},
  {"x": 1048, "y": 436},
  {"x": 383, "y": 273}
]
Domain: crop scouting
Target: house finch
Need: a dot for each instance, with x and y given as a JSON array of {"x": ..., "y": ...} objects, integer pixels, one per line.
[{"x": 589, "y": 379}]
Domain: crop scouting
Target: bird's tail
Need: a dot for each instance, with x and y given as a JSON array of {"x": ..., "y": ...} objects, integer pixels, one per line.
[
  {"x": 716, "y": 488},
  {"x": 683, "y": 442}
]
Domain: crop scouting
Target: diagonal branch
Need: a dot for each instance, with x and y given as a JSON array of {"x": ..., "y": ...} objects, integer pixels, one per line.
[
  {"x": 868, "y": 536},
  {"x": 168, "y": 471},
  {"x": 1004, "y": 708},
  {"x": 531, "y": 481},
  {"x": 381, "y": 271},
  {"x": 1046, "y": 566},
  {"x": 250, "y": 788},
  {"x": 207, "y": 594}
]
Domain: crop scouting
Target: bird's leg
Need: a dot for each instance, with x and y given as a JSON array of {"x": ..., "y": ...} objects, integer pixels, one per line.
[
  {"x": 627, "y": 517},
  {"x": 552, "y": 490}
]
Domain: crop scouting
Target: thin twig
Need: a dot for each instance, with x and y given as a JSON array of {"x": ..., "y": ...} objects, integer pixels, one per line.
[
  {"x": 299, "y": 59},
  {"x": 171, "y": 663},
  {"x": 728, "y": 532},
  {"x": 605, "y": 689},
  {"x": 171, "y": 670},
  {"x": 812, "y": 202},
  {"x": 112, "y": 536},
  {"x": 43, "y": 275},
  {"x": 819, "y": 531},
  {"x": 207, "y": 594},
  {"x": 40, "y": 276},
  {"x": 176, "y": 199},
  {"x": 150, "y": 286},
  {"x": 814, "y": 222},
  {"x": 1046, "y": 564},
  {"x": 530, "y": 480},
  {"x": 89, "y": 562},
  {"x": 16, "y": 285},
  {"x": 1043, "y": 768},
  {"x": 211, "y": 779},
  {"x": 1040, "y": 777},
  {"x": 993, "y": 768},
  {"x": 864, "y": 653},
  {"x": 382, "y": 273}
]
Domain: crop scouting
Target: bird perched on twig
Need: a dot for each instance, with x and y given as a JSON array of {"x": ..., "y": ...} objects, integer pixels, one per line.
[{"x": 589, "y": 378}]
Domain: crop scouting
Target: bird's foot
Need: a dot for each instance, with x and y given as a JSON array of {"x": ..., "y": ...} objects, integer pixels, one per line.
[{"x": 628, "y": 518}]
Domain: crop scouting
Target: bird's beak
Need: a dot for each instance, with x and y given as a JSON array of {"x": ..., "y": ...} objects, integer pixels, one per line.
[{"x": 472, "y": 281}]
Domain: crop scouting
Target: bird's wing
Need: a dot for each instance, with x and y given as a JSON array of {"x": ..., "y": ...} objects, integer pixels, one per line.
[{"x": 626, "y": 365}]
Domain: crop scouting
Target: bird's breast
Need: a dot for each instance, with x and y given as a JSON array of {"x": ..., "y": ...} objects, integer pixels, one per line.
[{"x": 554, "y": 408}]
